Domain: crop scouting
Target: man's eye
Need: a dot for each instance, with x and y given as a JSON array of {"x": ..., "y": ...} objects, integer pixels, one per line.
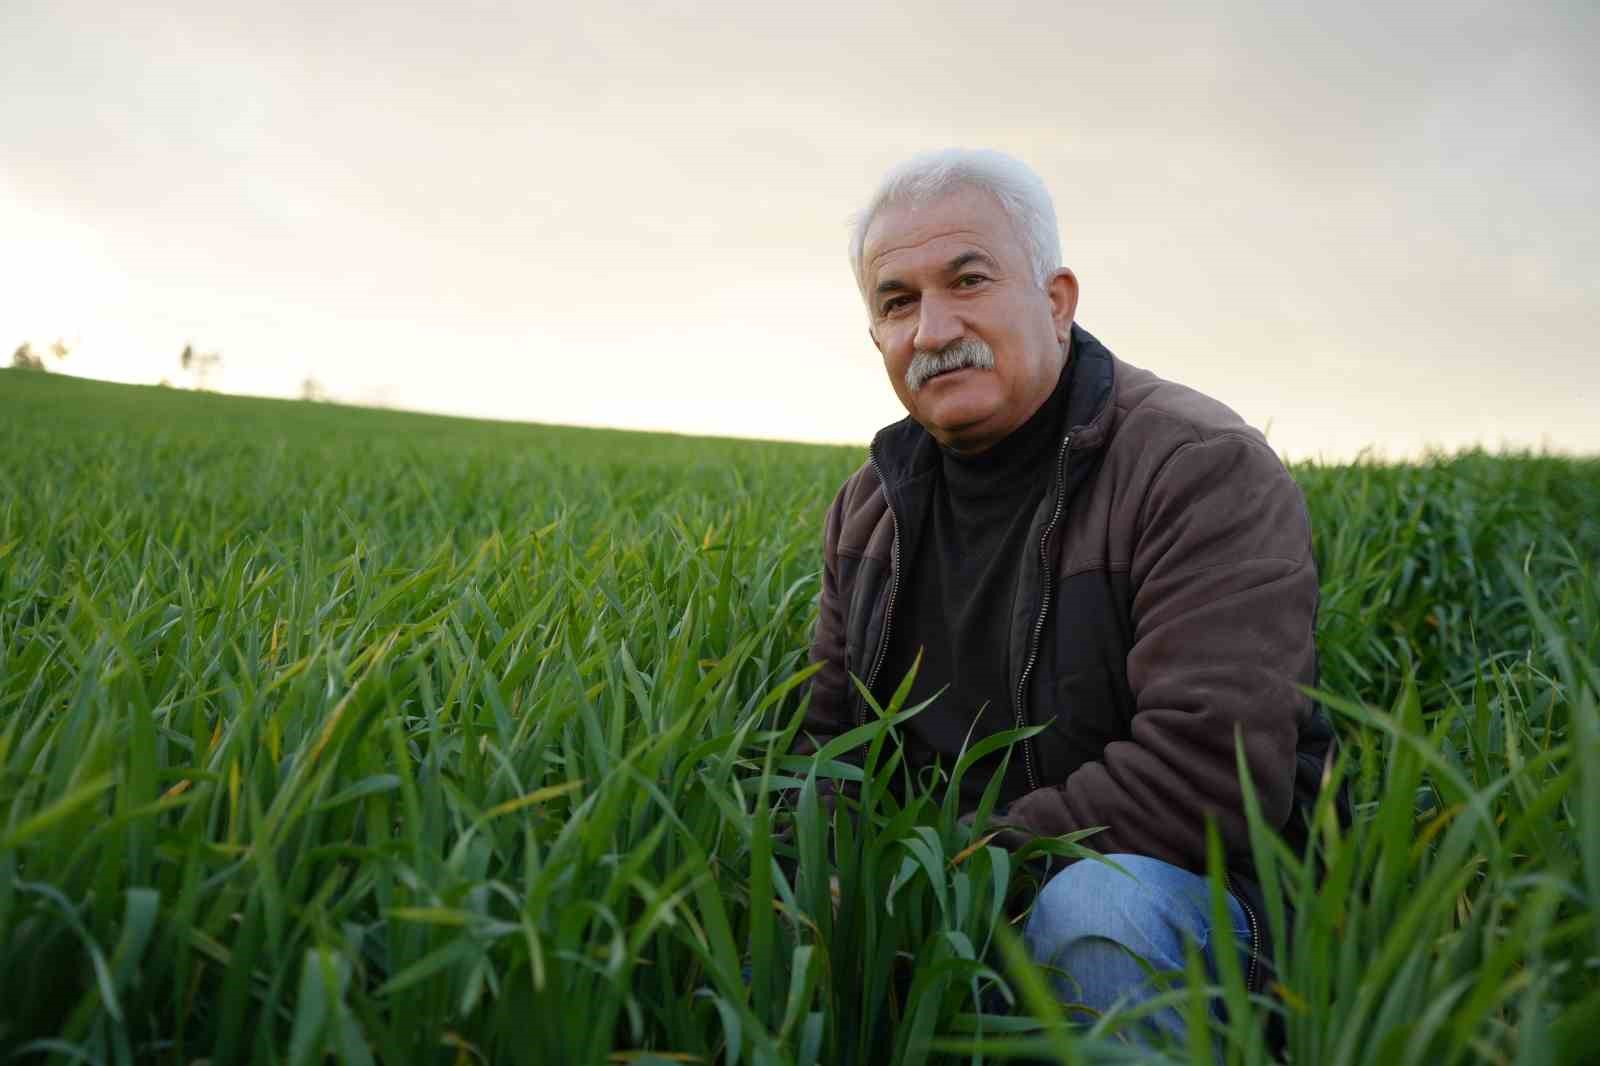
[
  {"x": 895, "y": 303},
  {"x": 966, "y": 281}
]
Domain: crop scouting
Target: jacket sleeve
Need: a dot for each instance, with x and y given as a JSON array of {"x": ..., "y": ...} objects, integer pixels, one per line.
[
  {"x": 828, "y": 710},
  {"x": 1224, "y": 606}
]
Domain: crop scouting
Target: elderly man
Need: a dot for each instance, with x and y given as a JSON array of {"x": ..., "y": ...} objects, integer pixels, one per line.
[{"x": 1073, "y": 542}]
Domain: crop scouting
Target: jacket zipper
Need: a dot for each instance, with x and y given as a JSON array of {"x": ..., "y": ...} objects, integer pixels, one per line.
[
  {"x": 894, "y": 588},
  {"x": 1044, "y": 609},
  {"x": 1255, "y": 932}
]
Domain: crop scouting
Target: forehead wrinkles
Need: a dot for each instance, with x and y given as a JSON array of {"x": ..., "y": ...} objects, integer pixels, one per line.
[
  {"x": 967, "y": 213},
  {"x": 968, "y": 238}
]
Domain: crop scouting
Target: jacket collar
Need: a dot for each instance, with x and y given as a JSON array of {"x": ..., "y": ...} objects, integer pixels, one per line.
[{"x": 905, "y": 450}]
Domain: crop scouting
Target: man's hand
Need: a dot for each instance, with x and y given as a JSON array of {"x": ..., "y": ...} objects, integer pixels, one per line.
[{"x": 1006, "y": 836}]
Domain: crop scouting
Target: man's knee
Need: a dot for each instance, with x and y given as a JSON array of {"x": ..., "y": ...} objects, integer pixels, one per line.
[{"x": 1144, "y": 909}]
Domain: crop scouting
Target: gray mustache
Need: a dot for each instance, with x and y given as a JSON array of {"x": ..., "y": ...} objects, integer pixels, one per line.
[{"x": 968, "y": 352}]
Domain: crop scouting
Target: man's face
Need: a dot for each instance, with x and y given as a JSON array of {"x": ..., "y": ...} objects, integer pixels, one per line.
[{"x": 954, "y": 271}]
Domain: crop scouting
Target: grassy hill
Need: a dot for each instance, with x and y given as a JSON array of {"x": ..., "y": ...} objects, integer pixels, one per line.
[{"x": 392, "y": 737}]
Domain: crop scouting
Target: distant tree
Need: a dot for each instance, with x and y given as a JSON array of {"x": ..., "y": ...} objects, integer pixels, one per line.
[
  {"x": 25, "y": 358},
  {"x": 199, "y": 365},
  {"x": 311, "y": 390}
]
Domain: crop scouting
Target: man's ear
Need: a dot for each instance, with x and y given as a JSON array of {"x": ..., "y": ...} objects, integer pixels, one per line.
[{"x": 1062, "y": 288}]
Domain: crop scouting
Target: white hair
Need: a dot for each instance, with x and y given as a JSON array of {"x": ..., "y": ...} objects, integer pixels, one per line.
[{"x": 927, "y": 176}]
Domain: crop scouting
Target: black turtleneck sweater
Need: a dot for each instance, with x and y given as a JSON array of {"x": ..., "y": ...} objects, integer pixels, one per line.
[{"x": 957, "y": 593}]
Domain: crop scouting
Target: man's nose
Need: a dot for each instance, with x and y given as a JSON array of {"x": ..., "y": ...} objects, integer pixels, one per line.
[{"x": 937, "y": 324}]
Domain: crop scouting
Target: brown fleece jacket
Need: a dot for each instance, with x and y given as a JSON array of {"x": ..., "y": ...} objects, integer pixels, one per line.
[{"x": 1168, "y": 605}]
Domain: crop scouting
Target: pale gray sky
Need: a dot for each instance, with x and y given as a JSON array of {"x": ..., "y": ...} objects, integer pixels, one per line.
[{"x": 1362, "y": 224}]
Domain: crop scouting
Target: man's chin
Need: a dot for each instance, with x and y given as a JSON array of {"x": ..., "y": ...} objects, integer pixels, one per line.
[{"x": 963, "y": 426}]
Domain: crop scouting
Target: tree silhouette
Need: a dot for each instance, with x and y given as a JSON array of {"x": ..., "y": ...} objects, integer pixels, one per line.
[
  {"x": 25, "y": 358},
  {"x": 200, "y": 365}
]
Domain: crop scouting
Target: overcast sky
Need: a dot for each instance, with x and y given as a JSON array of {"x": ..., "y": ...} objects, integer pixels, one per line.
[{"x": 1358, "y": 224}]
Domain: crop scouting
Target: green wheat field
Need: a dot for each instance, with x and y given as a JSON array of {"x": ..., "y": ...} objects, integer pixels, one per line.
[{"x": 337, "y": 735}]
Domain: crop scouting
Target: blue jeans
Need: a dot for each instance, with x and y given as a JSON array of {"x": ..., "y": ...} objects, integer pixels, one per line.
[{"x": 1089, "y": 917}]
